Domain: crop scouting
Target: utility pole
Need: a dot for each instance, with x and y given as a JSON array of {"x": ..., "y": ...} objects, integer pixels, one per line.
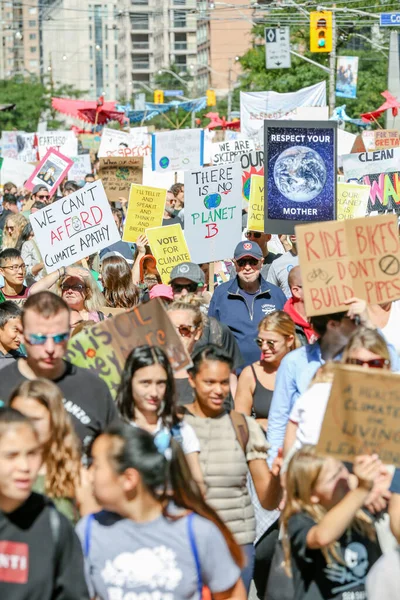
[
  {"x": 229, "y": 111},
  {"x": 332, "y": 68}
]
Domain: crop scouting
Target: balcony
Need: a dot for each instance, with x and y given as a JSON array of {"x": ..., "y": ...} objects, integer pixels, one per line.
[
  {"x": 140, "y": 46},
  {"x": 140, "y": 66},
  {"x": 140, "y": 22}
]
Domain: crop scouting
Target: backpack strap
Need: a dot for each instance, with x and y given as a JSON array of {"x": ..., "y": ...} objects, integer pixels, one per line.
[
  {"x": 241, "y": 428},
  {"x": 193, "y": 545}
]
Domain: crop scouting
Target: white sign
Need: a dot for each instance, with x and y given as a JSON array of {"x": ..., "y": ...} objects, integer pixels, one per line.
[
  {"x": 277, "y": 47},
  {"x": 74, "y": 227},
  {"x": 81, "y": 167},
  {"x": 213, "y": 212},
  {"x": 64, "y": 142},
  {"x": 356, "y": 166},
  {"x": 226, "y": 152},
  {"x": 177, "y": 150},
  {"x": 27, "y": 149},
  {"x": 16, "y": 171},
  {"x": 9, "y": 147},
  {"x": 120, "y": 143}
]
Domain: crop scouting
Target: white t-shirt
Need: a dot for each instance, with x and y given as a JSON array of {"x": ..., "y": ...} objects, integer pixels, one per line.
[
  {"x": 308, "y": 412},
  {"x": 392, "y": 328},
  {"x": 189, "y": 443}
]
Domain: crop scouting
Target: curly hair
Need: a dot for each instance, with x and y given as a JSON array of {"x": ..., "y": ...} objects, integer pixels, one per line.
[
  {"x": 61, "y": 453},
  {"x": 19, "y": 222}
]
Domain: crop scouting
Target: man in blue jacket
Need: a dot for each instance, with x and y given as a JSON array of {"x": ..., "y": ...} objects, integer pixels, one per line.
[{"x": 242, "y": 302}]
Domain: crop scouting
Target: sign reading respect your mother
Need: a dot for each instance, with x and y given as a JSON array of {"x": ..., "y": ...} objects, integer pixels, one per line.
[{"x": 354, "y": 258}]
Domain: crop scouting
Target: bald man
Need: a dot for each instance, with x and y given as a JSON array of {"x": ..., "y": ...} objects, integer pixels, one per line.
[{"x": 296, "y": 309}]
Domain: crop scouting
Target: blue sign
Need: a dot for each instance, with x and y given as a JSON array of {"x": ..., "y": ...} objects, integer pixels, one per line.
[
  {"x": 173, "y": 93},
  {"x": 389, "y": 20}
]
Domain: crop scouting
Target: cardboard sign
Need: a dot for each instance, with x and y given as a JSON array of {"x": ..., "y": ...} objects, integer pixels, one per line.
[
  {"x": 118, "y": 173},
  {"x": 300, "y": 174},
  {"x": 252, "y": 164},
  {"x": 227, "y": 152},
  {"x": 169, "y": 248},
  {"x": 64, "y": 142},
  {"x": 145, "y": 211},
  {"x": 386, "y": 138},
  {"x": 177, "y": 150},
  {"x": 356, "y": 166},
  {"x": 255, "y": 220},
  {"x": 213, "y": 212},
  {"x": 50, "y": 171},
  {"x": 105, "y": 347},
  {"x": 120, "y": 143},
  {"x": 15, "y": 170},
  {"x": 339, "y": 260},
  {"x": 352, "y": 201},
  {"x": 362, "y": 415},
  {"x": 74, "y": 227},
  {"x": 80, "y": 168}
]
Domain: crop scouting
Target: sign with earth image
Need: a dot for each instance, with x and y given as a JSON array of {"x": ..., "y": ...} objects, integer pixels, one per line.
[{"x": 300, "y": 174}]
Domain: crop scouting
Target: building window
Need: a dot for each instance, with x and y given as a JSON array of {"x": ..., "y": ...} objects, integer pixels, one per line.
[
  {"x": 90, "y": 32},
  {"x": 32, "y": 36},
  {"x": 107, "y": 74},
  {"x": 91, "y": 52},
  {"x": 33, "y": 48},
  {"x": 91, "y": 72},
  {"x": 33, "y": 63},
  {"x": 32, "y": 11},
  {"x": 32, "y": 23},
  {"x": 106, "y": 32},
  {"x": 106, "y": 51},
  {"x": 116, "y": 52},
  {"x": 179, "y": 18}
]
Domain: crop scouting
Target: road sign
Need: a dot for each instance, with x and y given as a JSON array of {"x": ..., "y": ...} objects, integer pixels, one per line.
[
  {"x": 389, "y": 20},
  {"x": 173, "y": 93},
  {"x": 277, "y": 47}
]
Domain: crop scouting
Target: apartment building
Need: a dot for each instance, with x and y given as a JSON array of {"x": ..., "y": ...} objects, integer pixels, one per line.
[{"x": 20, "y": 44}]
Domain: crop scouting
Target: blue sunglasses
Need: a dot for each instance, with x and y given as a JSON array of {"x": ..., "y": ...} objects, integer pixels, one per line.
[{"x": 38, "y": 339}]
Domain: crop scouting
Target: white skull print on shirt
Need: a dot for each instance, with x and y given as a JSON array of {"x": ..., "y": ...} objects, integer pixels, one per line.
[{"x": 351, "y": 574}]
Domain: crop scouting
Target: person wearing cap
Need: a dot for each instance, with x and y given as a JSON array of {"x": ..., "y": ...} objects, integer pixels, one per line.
[
  {"x": 162, "y": 291},
  {"x": 242, "y": 302},
  {"x": 41, "y": 193},
  {"x": 187, "y": 278}
]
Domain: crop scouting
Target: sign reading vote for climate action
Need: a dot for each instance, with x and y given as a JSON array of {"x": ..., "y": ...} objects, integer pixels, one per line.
[
  {"x": 226, "y": 152},
  {"x": 74, "y": 227},
  {"x": 354, "y": 258},
  {"x": 104, "y": 347},
  {"x": 213, "y": 212},
  {"x": 362, "y": 415},
  {"x": 145, "y": 210},
  {"x": 255, "y": 220},
  {"x": 169, "y": 248}
]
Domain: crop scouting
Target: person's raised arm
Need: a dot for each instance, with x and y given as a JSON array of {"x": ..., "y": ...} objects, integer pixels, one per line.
[
  {"x": 47, "y": 282},
  {"x": 141, "y": 244}
]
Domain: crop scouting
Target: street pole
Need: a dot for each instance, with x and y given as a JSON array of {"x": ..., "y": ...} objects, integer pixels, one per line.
[
  {"x": 332, "y": 68},
  {"x": 229, "y": 92}
]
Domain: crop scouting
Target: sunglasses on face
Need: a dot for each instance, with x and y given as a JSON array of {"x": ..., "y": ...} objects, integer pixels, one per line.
[
  {"x": 43, "y": 197},
  {"x": 190, "y": 287},
  {"x": 16, "y": 268},
  {"x": 9, "y": 228},
  {"x": 374, "y": 363},
  {"x": 254, "y": 234},
  {"x": 242, "y": 262},
  {"x": 186, "y": 330},
  {"x": 79, "y": 287},
  {"x": 38, "y": 339},
  {"x": 270, "y": 343}
]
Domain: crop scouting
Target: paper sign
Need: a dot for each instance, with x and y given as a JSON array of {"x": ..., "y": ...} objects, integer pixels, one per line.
[
  {"x": 213, "y": 212},
  {"x": 352, "y": 200},
  {"x": 9, "y": 146},
  {"x": 255, "y": 220},
  {"x": 74, "y": 227},
  {"x": 105, "y": 347},
  {"x": 118, "y": 173},
  {"x": 386, "y": 138},
  {"x": 145, "y": 211},
  {"x": 356, "y": 166},
  {"x": 227, "y": 152},
  {"x": 177, "y": 150},
  {"x": 362, "y": 415},
  {"x": 252, "y": 164},
  {"x": 15, "y": 170},
  {"x": 89, "y": 141},
  {"x": 120, "y": 143},
  {"x": 64, "y": 142},
  {"x": 354, "y": 258},
  {"x": 80, "y": 168},
  {"x": 50, "y": 171},
  {"x": 168, "y": 246}
]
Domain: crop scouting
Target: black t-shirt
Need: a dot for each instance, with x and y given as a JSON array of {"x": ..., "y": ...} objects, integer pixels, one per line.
[
  {"x": 87, "y": 398},
  {"x": 39, "y": 561},
  {"x": 314, "y": 579}
]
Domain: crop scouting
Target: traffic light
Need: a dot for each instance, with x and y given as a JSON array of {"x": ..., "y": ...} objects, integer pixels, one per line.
[
  {"x": 158, "y": 96},
  {"x": 321, "y": 32},
  {"x": 211, "y": 100}
]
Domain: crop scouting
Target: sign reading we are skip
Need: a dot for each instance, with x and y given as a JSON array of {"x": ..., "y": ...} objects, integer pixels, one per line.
[
  {"x": 344, "y": 259},
  {"x": 227, "y": 152},
  {"x": 74, "y": 227},
  {"x": 169, "y": 248},
  {"x": 213, "y": 212}
]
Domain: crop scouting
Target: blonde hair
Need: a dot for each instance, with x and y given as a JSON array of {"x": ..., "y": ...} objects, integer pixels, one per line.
[
  {"x": 61, "y": 454},
  {"x": 94, "y": 299},
  {"x": 191, "y": 303},
  {"x": 280, "y": 322},
  {"x": 10, "y": 239},
  {"x": 368, "y": 339},
  {"x": 302, "y": 477},
  {"x": 324, "y": 374}
]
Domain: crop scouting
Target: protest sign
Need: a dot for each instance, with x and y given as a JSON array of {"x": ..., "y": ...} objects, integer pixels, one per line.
[
  {"x": 105, "y": 347},
  {"x": 384, "y": 193},
  {"x": 386, "y": 138},
  {"x": 27, "y": 148},
  {"x": 145, "y": 211},
  {"x": 362, "y": 415},
  {"x": 300, "y": 174},
  {"x": 352, "y": 200},
  {"x": 252, "y": 164},
  {"x": 120, "y": 143},
  {"x": 50, "y": 171},
  {"x": 15, "y": 170},
  {"x": 344, "y": 259},
  {"x": 118, "y": 173},
  {"x": 9, "y": 146},
  {"x": 162, "y": 180},
  {"x": 177, "y": 150},
  {"x": 74, "y": 227},
  {"x": 168, "y": 246},
  {"x": 356, "y": 166},
  {"x": 345, "y": 143},
  {"x": 213, "y": 212},
  {"x": 255, "y": 219},
  {"x": 89, "y": 141},
  {"x": 227, "y": 152},
  {"x": 64, "y": 142},
  {"x": 80, "y": 168}
]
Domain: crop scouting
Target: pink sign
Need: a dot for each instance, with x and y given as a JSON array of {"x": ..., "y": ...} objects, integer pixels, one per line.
[{"x": 50, "y": 171}]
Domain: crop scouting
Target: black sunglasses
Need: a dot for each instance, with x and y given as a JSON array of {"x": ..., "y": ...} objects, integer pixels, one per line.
[
  {"x": 254, "y": 234},
  {"x": 190, "y": 287},
  {"x": 242, "y": 262}
]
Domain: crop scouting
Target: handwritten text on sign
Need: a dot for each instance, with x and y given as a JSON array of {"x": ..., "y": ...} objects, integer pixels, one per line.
[
  {"x": 226, "y": 152},
  {"x": 362, "y": 415},
  {"x": 255, "y": 221},
  {"x": 145, "y": 210},
  {"x": 117, "y": 173},
  {"x": 352, "y": 201},
  {"x": 339, "y": 260},
  {"x": 74, "y": 227},
  {"x": 168, "y": 246}
]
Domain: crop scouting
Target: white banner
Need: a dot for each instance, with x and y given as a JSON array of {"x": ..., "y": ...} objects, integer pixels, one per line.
[
  {"x": 177, "y": 150},
  {"x": 16, "y": 171},
  {"x": 227, "y": 152},
  {"x": 213, "y": 212},
  {"x": 255, "y": 107},
  {"x": 64, "y": 142},
  {"x": 74, "y": 227},
  {"x": 120, "y": 143}
]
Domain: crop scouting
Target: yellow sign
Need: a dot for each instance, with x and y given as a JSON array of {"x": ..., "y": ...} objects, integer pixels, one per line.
[
  {"x": 145, "y": 210},
  {"x": 168, "y": 246},
  {"x": 158, "y": 96},
  {"x": 255, "y": 221},
  {"x": 211, "y": 99},
  {"x": 321, "y": 32},
  {"x": 352, "y": 200}
]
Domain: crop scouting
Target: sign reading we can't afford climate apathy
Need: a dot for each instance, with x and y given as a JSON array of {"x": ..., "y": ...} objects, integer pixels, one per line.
[
  {"x": 74, "y": 227},
  {"x": 169, "y": 248},
  {"x": 354, "y": 258},
  {"x": 213, "y": 212}
]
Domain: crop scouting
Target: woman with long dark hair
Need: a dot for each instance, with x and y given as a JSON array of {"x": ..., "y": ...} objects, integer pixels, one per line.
[
  {"x": 157, "y": 537},
  {"x": 118, "y": 287}
]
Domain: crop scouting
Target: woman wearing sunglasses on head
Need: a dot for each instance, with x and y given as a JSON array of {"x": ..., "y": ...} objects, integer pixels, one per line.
[
  {"x": 156, "y": 538},
  {"x": 146, "y": 399}
]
